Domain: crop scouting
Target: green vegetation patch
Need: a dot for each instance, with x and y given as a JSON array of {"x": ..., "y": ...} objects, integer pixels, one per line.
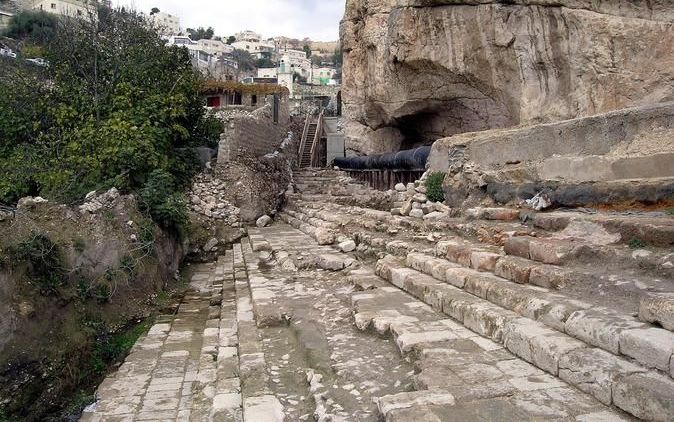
[{"x": 434, "y": 190}]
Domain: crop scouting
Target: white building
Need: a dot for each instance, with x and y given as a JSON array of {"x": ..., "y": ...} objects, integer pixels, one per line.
[
  {"x": 267, "y": 73},
  {"x": 72, "y": 8},
  {"x": 215, "y": 47},
  {"x": 166, "y": 23},
  {"x": 323, "y": 75},
  {"x": 248, "y": 36},
  {"x": 291, "y": 61}
]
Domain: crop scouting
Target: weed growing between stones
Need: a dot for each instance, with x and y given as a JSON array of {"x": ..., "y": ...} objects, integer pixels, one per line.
[
  {"x": 670, "y": 212},
  {"x": 434, "y": 190},
  {"x": 635, "y": 243}
]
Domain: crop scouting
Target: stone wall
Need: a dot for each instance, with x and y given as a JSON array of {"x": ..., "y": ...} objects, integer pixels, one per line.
[
  {"x": 253, "y": 133},
  {"x": 419, "y": 70}
]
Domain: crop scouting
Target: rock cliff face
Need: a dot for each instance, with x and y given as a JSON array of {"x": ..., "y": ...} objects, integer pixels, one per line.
[{"x": 419, "y": 70}]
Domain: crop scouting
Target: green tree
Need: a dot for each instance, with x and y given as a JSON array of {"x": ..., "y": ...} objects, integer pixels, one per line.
[
  {"x": 154, "y": 11},
  {"x": 231, "y": 39},
  {"x": 32, "y": 26},
  {"x": 307, "y": 50},
  {"x": 201, "y": 33},
  {"x": 114, "y": 106}
]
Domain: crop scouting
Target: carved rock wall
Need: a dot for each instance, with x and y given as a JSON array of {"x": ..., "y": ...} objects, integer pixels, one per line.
[{"x": 419, "y": 70}]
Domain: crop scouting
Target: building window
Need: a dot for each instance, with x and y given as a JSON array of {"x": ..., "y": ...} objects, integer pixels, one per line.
[
  {"x": 53, "y": 5},
  {"x": 79, "y": 13},
  {"x": 253, "y": 100}
]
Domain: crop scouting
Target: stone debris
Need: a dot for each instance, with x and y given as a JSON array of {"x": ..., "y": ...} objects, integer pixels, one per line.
[
  {"x": 263, "y": 221},
  {"x": 207, "y": 198},
  {"x": 94, "y": 202}
]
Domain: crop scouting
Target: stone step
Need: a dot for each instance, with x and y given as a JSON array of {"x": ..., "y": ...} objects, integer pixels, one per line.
[
  {"x": 457, "y": 367},
  {"x": 456, "y": 371},
  {"x": 639, "y": 341},
  {"x": 517, "y": 269},
  {"x": 590, "y": 369}
]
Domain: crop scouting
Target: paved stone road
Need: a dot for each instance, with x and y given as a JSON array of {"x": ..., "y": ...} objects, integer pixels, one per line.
[{"x": 279, "y": 329}]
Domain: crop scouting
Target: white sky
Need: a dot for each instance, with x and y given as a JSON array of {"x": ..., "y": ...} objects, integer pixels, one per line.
[{"x": 316, "y": 19}]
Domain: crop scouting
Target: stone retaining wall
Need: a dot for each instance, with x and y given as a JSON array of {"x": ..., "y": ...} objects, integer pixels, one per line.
[{"x": 254, "y": 132}]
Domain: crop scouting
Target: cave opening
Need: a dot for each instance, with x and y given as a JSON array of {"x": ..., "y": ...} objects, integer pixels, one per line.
[{"x": 439, "y": 119}]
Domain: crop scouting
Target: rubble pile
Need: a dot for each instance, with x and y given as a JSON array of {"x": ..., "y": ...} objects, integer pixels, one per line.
[
  {"x": 411, "y": 200},
  {"x": 207, "y": 198},
  {"x": 95, "y": 202}
]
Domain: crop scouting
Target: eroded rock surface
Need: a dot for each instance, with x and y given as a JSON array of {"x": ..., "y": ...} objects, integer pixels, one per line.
[{"x": 418, "y": 70}]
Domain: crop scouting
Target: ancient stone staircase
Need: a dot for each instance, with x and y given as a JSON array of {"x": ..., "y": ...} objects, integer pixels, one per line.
[{"x": 578, "y": 310}]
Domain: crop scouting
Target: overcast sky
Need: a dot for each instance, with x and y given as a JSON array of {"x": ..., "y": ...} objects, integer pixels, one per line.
[{"x": 317, "y": 19}]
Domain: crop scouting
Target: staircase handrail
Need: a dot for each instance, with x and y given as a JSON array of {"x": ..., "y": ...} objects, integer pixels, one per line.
[
  {"x": 303, "y": 141},
  {"x": 317, "y": 137}
]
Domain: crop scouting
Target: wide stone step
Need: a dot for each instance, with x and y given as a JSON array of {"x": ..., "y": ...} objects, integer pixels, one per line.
[{"x": 590, "y": 369}]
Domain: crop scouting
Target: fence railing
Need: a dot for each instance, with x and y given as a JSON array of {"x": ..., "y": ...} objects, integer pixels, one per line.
[{"x": 315, "y": 147}]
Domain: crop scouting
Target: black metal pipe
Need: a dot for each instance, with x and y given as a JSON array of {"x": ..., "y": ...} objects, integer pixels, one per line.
[{"x": 412, "y": 159}]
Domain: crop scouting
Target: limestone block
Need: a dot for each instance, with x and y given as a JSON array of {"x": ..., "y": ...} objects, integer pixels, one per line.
[
  {"x": 324, "y": 236},
  {"x": 417, "y": 261},
  {"x": 347, "y": 246},
  {"x": 263, "y": 408},
  {"x": 417, "y": 213},
  {"x": 434, "y": 215},
  {"x": 458, "y": 276},
  {"x": 331, "y": 262},
  {"x": 647, "y": 396},
  {"x": 480, "y": 283},
  {"x": 652, "y": 347},
  {"x": 538, "y": 344},
  {"x": 502, "y": 214},
  {"x": 263, "y": 221},
  {"x": 484, "y": 261},
  {"x": 458, "y": 252},
  {"x": 389, "y": 403},
  {"x": 400, "y": 187},
  {"x": 549, "y": 276},
  {"x": 518, "y": 246},
  {"x": 487, "y": 319},
  {"x": 399, "y": 275},
  {"x": 658, "y": 307},
  {"x": 550, "y": 251},
  {"x": 599, "y": 328},
  {"x": 420, "y": 198},
  {"x": 456, "y": 302},
  {"x": 438, "y": 268},
  {"x": 514, "y": 269},
  {"x": 418, "y": 284},
  {"x": 595, "y": 371}
]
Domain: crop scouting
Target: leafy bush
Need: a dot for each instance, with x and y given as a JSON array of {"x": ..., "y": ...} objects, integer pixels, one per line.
[
  {"x": 160, "y": 200},
  {"x": 114, "y": 105},
  {"x": 434, "y": 190}
]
